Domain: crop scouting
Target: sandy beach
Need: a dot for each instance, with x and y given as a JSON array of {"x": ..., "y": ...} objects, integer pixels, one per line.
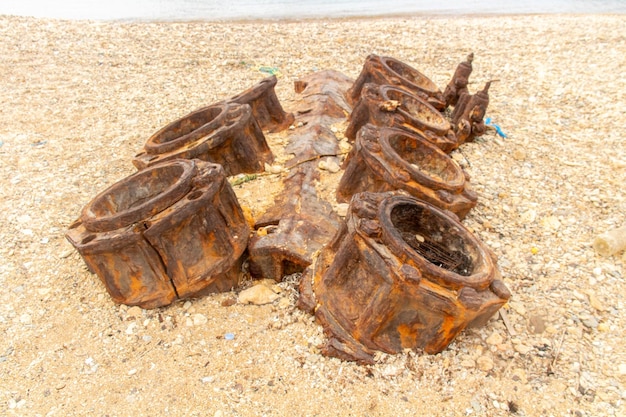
[{"x": 79, "y": 99}]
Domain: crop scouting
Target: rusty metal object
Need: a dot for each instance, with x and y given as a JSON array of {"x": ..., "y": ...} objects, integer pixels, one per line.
[
  {"x": 387, "y": 105},
  {"x": 300, "y": 223},
  {"x": 400, "y": 274},
  {"x": 173, "y": 230},
  {"x": 387, "y": 70},
  {"x": 468, "y": 114},
  {"x": 458, "y": 84},
  {"x": 223, "y": 133},
  {"x": 266, "y": 108},
  {"x": 387, "y": 159}
]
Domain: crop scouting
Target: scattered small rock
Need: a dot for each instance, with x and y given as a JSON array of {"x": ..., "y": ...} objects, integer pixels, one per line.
[
  {"x": 522, "y": 349},
  {"x": 519, "y": 155},
  {"x": 330, "y": 166},
  {"x": 257, "y": 295},
  {"x": 589, "y": 321},
  {"x": 537, "y": 324},
  {"x": 484, "y": 363},
  {"x": 495, "y": 339},
  {"x": 199, "y": 319}
]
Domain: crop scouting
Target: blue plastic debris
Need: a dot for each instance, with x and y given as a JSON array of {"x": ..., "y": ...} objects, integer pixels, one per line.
[
  {"x": 229, "y": 336},
  {"x": 495, "y": 126}
]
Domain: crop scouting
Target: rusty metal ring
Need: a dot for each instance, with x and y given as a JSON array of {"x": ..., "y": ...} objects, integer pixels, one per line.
[{"x": 139, "y": 196}]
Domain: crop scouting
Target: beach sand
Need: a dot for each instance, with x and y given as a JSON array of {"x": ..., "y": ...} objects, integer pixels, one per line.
[{"x": 79, "y": 99}]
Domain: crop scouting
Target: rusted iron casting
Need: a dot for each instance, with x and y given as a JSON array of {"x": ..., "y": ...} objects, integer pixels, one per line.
[
  {"x": 400, "y": 274},
  {"x": 468, "y": 114},
  {"x": 458, "y": 84},
  {"x": 300, "y": 223},
  {"x": 386, "y": 70},
  {"x": 387, "y": 105},
  {"x": 223, "y": 133},
  {"x": 387, "y": 159},
  {"x": 266, "y": 108},
  {"x": 173, "y": 230}
]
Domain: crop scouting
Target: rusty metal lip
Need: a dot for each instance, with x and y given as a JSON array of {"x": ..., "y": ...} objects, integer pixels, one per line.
[
  {"x": 95, "y": 222},
  {"x": 203, "y": 141},
  {"x": 255, "y": 91},
  {"x": 395, "y": 164},
  {"x": 440, "y": 128},
  {"x": 428, "y": 86},
  {"x": 484, "y": 266},
  {"x": 155, "y": 144}
]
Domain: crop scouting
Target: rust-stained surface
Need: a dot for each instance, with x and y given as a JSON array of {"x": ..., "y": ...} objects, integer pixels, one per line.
[
  {"x": 468, "y": 115},
  {"x": 223, "y": 133},
  {"x": 392, "y": 106},
  {"x": 173, "y": 230},
  {"x": 387, "y": 159},
  {"x": 458, "y": 84},
  {"x": 265, "y": 106},
  {"x": 386, "y": 70},
  {"x": 399, "y": 274},
  {"x": 300, "y": 223}
]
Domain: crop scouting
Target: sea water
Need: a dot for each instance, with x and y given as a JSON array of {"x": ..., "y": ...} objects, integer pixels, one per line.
[{"x": 290, "y": 9}]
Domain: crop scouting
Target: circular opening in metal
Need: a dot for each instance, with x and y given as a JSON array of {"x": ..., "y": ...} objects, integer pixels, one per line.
[
  {"x": 187, "y": 129},
  {"x": 139, "y": 196},
  {"x": 411, "y": 75},
  {"x": 426, "y": 160},
  {"x": 423, "y": 113},
  {"x": 435, "y": 238}
]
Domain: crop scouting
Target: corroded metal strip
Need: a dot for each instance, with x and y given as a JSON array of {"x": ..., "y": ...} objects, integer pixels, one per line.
[{"x": 300, "y": 223}]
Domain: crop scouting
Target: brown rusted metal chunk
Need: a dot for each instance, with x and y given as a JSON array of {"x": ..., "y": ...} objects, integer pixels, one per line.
[
  {"x": 223, "y": 133},
  {"x": 387, "y": 70},
  {"x": 458, "y": 84},
  {"x": 266, "y": 108},
  {"x": 388, "y": 159},
  {"x": 387, "y": 105},
  {"x": 400, "y": 274},
  {"x": 467, "y": 117},
  {"x": 173, "y": 230},
  {"x": 300, "y": 223}
]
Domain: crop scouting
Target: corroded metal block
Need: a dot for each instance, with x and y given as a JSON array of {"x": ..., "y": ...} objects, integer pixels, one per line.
[
  {"x": 400, "y": 274},
  {"x": 173, "y": 230},
  {"x": 468, "y": 114},
  {"x": 299, "y": 223},
  {"x": 224, "y": 133},
  {"x": 458, "y": 84},
  {"x": 386, "y": 70},
  {"x": 387, "y": 159},
  {"x": 266, "y": 108},
  {"x": 387, "y": 105}
]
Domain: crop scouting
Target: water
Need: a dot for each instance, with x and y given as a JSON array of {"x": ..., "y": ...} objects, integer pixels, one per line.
[{"x": 290, "y": 9}]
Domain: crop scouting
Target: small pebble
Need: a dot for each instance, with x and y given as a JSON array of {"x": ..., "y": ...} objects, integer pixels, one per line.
[
  {"x": 199, "y": 319},
  {"x": 257, "y": 295},
  {"x": 229, "y": 336},
  {"x": 484, "y": 363},
  {"x": 494, "y": 339},
  {"x": 590, "y": 322}
]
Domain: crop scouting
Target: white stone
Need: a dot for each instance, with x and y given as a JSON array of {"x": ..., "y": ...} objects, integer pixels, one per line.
[
  {"x": 257, "y": 295},
  {"x": 199, "y": 319}
]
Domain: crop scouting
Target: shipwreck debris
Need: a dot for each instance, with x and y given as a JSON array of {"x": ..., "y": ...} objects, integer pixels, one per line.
[
  {"x": 386, "y": 70},
  {"x": 223, "y": 133},
  {"x": 392, "y": 106},
  {"x": 173, "y": 230},
  {"x": 387, "y": 159},
  {"x": 458, "y": 84},
  {"x": 300, "y": 223},
  {"x": 266, "y": 108},
  {"x": 468, "y": 115},
  {"x": 399, "y": 274}
]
